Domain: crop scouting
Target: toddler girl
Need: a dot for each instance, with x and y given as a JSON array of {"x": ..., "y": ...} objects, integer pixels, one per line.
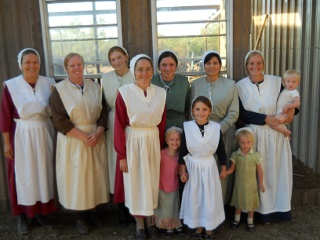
[
  {"x": 202, "y": 201},
  {"x": 247, "y": 163},
  {"x": 167, "y": 213}
]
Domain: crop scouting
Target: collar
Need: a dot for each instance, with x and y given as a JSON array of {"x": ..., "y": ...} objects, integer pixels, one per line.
[{"x": 240, "y": 152}]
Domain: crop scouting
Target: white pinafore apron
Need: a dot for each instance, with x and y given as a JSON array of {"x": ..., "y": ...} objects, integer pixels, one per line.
[
  {"x": 82, "y": 171},
  {"x": 274, "y": 147},
  {"x": 202, "y": 201},
  {"x": 141, "y": 183},
  {"x": 33, "y": 140}
]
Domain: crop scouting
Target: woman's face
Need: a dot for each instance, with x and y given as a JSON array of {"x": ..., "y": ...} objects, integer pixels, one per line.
[
  {"x": 212, "y": 67},
  {"x": 75, "y": 68},
  {"x": 119, "y": 61},
  {"x": 167, "y": 68},
  {"x": 30, "y": 66},
  {"x": 143, "y": 73},
  {"x": 255, "y": 65}
]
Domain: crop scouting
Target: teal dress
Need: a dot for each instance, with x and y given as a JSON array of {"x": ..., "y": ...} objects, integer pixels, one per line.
[{"x": 177, "y": 101}]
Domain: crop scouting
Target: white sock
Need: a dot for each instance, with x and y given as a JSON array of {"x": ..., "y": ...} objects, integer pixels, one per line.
[
  {"x": 250, "y": 220},
  {"x": 237, "y": 217}
]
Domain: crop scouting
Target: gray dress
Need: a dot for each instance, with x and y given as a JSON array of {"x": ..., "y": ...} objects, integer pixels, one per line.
[{"x": 225, "y": 111}]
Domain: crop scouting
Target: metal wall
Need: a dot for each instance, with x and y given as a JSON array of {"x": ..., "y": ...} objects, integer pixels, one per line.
[{"x": 290, "y": 39}]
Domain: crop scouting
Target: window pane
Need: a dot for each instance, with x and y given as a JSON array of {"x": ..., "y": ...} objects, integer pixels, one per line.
[
  {"x": 190, "y": 28},
  {"x": 89, "y": 28}
]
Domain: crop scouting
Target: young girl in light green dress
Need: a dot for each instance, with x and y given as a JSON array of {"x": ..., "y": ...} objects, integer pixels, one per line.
[{"x": 246, "y": 163}]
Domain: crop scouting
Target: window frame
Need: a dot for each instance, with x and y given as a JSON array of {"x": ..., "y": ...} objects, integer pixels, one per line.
[
  {"x": 49, "y": 65},
  {"x": 228, "y": 34}
]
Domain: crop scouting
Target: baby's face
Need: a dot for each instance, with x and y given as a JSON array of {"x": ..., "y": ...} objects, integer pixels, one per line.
[{"x": 291, "y": 82}]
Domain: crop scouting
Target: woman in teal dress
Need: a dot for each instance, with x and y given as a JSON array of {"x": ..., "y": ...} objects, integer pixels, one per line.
[{"x": 177, "y": 88}]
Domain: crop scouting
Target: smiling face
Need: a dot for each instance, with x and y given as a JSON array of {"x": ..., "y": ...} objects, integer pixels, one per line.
[
  {"x": 75, "y": 68},
  {"x": 119, "y": 61},
  {"x": 167, "y": 67},
  {"x": 291, "y": 82},
  {"x": 143, "y": 73},
  {"x": 255, "y": 65},
  {"x": 173, "y": 140},
  {"x": 212, "y": 67},
  {"x": 30, "y": 66},
  {"x": 201, "y": 112}
]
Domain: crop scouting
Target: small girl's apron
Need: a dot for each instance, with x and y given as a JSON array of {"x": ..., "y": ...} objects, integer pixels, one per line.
[{"x": 202, "y": 201}]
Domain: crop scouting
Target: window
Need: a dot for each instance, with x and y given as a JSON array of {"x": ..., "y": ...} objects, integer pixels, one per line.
[
  {"x": 90, "y": 28},
  {"x": 190, "y": 28}
]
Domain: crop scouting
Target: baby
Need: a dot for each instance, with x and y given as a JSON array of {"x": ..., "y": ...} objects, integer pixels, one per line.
[{"x": 288, "y": 98}]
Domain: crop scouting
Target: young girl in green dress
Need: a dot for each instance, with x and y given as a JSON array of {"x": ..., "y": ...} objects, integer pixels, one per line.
[{"x": 246, "y": 162}]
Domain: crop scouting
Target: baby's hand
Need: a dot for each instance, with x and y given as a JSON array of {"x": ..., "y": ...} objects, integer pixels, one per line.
[
  {"x": 184, "y": 177},
  {"x": 262, "y": 188}
]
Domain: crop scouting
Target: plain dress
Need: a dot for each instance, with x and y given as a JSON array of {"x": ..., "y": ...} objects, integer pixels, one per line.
[
  {"x": 139, "y": 125},
  {"x": 110, "y": 84},
  {"x": 256, "y": 103},
  {"x": 25, "y": 114},
  {"x": 202, "y": 201}
]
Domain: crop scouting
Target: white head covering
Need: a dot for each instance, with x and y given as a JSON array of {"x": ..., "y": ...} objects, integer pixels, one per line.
[
  {"x": 135, "y": 59},
  {"x": 174, "y": 128},
  {"x": 22, "y": 51},
  {"x": 242, "y": 129},
  {"x": 205, "y": 55},
  {"x": 247, "y": 56}
]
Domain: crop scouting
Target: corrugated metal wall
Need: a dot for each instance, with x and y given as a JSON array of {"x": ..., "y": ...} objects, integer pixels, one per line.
[{"x": 290, "y": 40}]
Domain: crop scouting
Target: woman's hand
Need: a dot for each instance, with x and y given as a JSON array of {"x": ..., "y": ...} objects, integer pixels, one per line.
[
  {"x": 272, "y": 120},
  {"x": 124, "y": 165},
  {"x": 8, "y": 152},
  {"x": 94, "y": 137}
]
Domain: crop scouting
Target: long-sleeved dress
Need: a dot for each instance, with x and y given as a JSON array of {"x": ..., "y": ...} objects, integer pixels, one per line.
[
  {"x": 81, "y": 171},
  {"x": 139, "y": 133},
  {"x": 177, "y": 100},
  {"x": 225, "y": 111},
  {"x": 256, "y": 103},
  {"x": 202, "y": 201},
  {"x": 25, "y": 115},
  {"x": 110, "y": 84}
]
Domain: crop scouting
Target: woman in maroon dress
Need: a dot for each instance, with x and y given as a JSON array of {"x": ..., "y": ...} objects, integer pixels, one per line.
[{"x": 28, "y": 133}]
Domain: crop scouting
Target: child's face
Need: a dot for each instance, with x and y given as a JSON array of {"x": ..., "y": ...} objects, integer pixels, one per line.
[
  {"x": 291, "y": 82},
  {"x": 245, "y": 144},
  {"x": 173, "y": 141},
  {"x": 201, "y": 112}
]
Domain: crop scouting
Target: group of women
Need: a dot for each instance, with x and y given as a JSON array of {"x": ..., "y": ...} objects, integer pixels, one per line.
[{"x": 109, "y": 137}]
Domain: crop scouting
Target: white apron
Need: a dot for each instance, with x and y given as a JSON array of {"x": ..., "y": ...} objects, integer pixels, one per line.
[
  {"x": 274, "y": 147},
  {"x": 141, "y": 183},
  {"x": 202, "y": 201},
  {"x": 110, "y": 84},
  {"x": 82, "y": 172},
  {"x": 33, "y": 140}
]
